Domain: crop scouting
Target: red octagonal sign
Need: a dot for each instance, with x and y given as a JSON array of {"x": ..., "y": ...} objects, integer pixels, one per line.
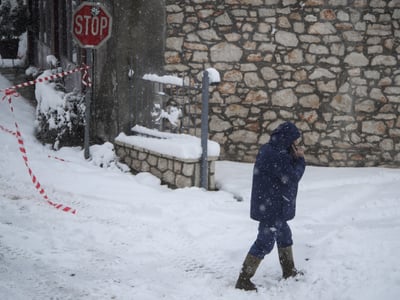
[{"x": 91, "y": 24}]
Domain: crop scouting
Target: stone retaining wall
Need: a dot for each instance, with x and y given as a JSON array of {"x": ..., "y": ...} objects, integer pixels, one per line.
[
  {"x": 330, "y": 66},
  {"x": 174, "y": 171}
]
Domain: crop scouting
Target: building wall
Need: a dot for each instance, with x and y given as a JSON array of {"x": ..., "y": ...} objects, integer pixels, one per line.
[
  {"x": 50, "y": 34},
  {"x": 330, "y": 66},
  {"x": 137, "y": 43}
]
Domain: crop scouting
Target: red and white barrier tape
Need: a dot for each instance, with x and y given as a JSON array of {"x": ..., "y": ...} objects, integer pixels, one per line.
[
  {"x": 8, "y": 130},
  {"x": 8, "y": 93},
  {"x": 35, "y": 181},
  {"x": 85, "y": 79},
  {"x": 14, "y": 134},
  {"x": 58, "y": 158}
]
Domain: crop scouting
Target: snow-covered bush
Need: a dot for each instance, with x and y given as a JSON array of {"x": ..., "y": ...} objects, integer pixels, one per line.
[
  {"x": 104, "y": 156},
  {"x": 169, "y": 116},
  {"x": 60, "y": 115}
]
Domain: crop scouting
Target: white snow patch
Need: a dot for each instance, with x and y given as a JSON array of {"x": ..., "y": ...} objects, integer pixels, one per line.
[
  {"x": 166, "y": 79},
  {"x": 175, "y": 145},
  {"x": 213, "y": 76}
]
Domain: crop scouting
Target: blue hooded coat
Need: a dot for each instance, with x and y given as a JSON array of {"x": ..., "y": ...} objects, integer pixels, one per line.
[{"x": 276, "y": 175}]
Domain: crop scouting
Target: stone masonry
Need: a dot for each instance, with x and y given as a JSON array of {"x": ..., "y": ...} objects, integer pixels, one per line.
[
  {"x": 174, "y": 171},
  {"x": 330, "y": 66}
]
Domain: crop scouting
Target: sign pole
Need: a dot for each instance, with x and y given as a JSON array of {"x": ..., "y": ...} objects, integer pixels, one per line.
[
  {"x": 92, "y": 25},
  {"x": 88, "y": 100}
]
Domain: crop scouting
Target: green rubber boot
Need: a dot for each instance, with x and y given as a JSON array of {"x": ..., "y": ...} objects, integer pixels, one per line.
[
  {"x": 287, "y": 263},
  {"x": 249, "y": 268}
]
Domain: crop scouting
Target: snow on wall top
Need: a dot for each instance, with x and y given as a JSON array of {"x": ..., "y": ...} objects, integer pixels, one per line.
[
  {"x": 213, "y": 76},
  {"x": 177, "y": 145},
  {"x": 167, "y": 79}
]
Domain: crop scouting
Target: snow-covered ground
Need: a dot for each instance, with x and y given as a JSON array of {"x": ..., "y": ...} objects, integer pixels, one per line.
[{"x": 133, "y": 238}]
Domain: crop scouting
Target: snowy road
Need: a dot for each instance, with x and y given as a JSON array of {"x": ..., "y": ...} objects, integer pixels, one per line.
[{"x": 133, "y": 238}]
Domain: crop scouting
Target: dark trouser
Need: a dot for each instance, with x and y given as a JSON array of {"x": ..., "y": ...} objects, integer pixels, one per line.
[{"x": 267, "y": 235}]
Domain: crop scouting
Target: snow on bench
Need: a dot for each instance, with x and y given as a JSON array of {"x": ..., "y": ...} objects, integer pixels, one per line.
[{"x": 174, "y": 158}]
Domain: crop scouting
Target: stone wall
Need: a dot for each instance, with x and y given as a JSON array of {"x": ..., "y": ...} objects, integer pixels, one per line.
[
  {"x": 174, "y": 171},
  {"x": 330, "y": 66}
]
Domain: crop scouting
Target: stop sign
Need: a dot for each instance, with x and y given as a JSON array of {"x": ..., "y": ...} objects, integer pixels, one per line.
[{"x": 91, "y": 24}]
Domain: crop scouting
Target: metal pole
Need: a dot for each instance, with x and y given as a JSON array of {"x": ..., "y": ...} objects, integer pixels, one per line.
[
  {"x": 130, "y": 76},
  {"x": 88, "y": 100},
  {"x": 204, "y": 130}
]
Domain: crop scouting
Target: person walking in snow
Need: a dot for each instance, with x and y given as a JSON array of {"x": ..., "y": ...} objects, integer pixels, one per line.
[{"x": 277, "y": 171}]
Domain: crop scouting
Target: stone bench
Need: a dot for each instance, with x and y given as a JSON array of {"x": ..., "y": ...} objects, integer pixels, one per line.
[{"x": 175, "y": 171}]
